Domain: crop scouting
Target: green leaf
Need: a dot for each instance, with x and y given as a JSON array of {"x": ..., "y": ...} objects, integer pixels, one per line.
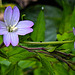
[
  {"x": 1, "y": 40},
  {"x": 26, "y": 63},
  {"x": 50, "y": 48},
  {"x": 39, "y": 28},
  {"x": 62, "y": 37},
  {"x": 72, "y": 20},
  {"x": 68, "y": 46},
  {"x": 40, "y": 71},
  {"x": 65, "y": 25},
  {"x": 59, "y": 69},
  {"x": 17, "y": 57},
  {"x": 71, "y": 72},
  {"x": 65, "y": 4},
  {"x": 13, "y": 50},
  {"x": 3, "y": 69},
  {"x": 53, "y": 17},
  {"x": 14, "y": 70},
  {"x": 4, "y": 62},
  {"x": 46, "y": 64}
]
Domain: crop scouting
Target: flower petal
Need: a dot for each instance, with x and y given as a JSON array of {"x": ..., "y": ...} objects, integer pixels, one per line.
[
  {"x": 6, "y": 39},
  {"x": 3, "y": 31},
  {"x": 2, "y": 25},
  {"x": 25, "y": 24},
  {"x": 24, "y": 31},
  {"x": 74, "y": 30},
  {"x": 15, "y": 16},
  {"x": 8, "y": 15},
  {"x": 14, "y": 39}
]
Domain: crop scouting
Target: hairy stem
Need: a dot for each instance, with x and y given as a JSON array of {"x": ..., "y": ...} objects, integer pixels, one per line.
[
  {"x": 59, "y": 58},
  {"x": 54, "y": 54}
]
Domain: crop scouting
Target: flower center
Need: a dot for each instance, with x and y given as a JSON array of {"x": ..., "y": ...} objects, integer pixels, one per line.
[{"x": 11, "y": 28}]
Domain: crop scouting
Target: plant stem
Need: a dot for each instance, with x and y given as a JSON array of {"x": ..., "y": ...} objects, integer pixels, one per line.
[
  {"x": 54, "y": 54},
  {"x": 31, "y": 49},
  {"x": 59, "y": 58},
  {"x": 45, "y": 49},
  {"x": 45, "y": 43}
]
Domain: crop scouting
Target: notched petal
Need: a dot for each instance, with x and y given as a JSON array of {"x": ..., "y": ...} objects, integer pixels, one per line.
[
  {"x": 8, "y": 15},
  {"x": 24, "y": 31},
  {"x": 14, "y": 39},
  {"x": 25, "y": 24},
  {"x": 6, "y": 39},
  {"x": 15, "y": 16}
]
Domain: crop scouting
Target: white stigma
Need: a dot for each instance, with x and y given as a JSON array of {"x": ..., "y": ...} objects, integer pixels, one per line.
[{"x": 11, "y": 28}]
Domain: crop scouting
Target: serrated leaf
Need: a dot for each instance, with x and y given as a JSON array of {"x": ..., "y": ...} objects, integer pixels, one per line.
[
  {"x": 39, "y": 28},
  {"x": 62, "y": 37},
  {"x": 4, "y": 62},
  {"x": 50, "y": 48},
  {"x": 46, "y": 64},
  {"x": 14, "y": 70},
  {"x": 3, "y": 69},
  {"x": 68, "y": 46},
  {"x": 59, "y": 69},
  {"x": 26, "y": 63},
  {"x": 40, "y": 71},
  {"x": 17, "y": 57}
]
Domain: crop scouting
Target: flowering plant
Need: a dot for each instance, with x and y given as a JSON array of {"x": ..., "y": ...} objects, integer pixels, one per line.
[
  {"x": 48, "y": 50},
  {"x": 11, "y": 28}
]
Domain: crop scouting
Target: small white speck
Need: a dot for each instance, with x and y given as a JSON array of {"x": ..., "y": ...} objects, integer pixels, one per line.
[{"x": 42, "y": 8}]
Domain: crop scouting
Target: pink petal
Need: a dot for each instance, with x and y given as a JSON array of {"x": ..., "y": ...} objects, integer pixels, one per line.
[
  {"x": 8, "y": 15},
  {"x": 2, "y": 25},
  {"x": 3, "y": 31},
  {"x": 14, "y": 39},
  {"x": 15, "y": 16},
  {"x": 25, "y": 24},
  {"x": 24, "y": 31},
  {"x": 6, "y": 39}
]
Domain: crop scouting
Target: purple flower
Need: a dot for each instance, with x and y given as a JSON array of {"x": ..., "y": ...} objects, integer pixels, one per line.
[
  {"x": 11, "y": 28},
  {"x": 74, "y": 34},
  {"x": 74, "y": 30}
]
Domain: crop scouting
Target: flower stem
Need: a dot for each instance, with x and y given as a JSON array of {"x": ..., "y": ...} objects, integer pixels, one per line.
[
  {"x": 53, "y": 42},
  {"x": 59, "y": 58},
  {"x": 23, "y": 16},
  {"x": 54, "y": 54}
]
